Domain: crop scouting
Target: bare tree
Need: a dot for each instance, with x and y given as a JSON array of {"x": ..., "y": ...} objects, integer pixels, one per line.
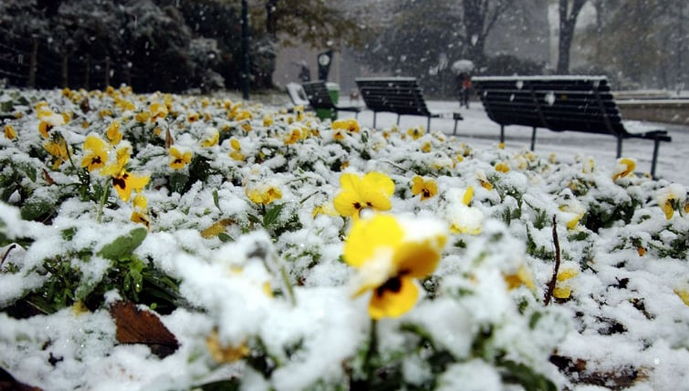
[
  {"x": 479, "y": 18},
  {"x": 569, "y": 12},
  {"x": 315, "y": 22}
]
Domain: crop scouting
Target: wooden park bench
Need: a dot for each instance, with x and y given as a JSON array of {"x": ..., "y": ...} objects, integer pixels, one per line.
[
  {"x": 560, "y": 103},
  {"x": 319, "y": 98},
  {"x": 399, "y": 95}
]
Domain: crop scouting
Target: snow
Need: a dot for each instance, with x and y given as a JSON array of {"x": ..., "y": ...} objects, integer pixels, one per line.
[{"x": 626, "y": 309}]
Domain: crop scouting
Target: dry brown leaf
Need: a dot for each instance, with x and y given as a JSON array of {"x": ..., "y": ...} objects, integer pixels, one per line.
[
  {"x": 9, "y": 383},
  {"x": 169, "y": 141},
  {"x": 136, "y": 326}
]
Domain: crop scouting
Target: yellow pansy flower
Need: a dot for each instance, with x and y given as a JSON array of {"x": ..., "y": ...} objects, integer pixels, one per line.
[
  {"x": 294, "y": 136},
  {"x": 142, "y": 117},
  {"x": 10, "y": 133},
  {"x": 562, "y": 289},
  {"x": 236, "y": 152},
  {"x": 97, "y": 153},
  {"x": 623, "y": 167},
  {"x": 263, "y": 194},
  {"x": 139, "y": 214},
  {"x": 242, "y": 115},
  {"x": 212, "y": 138},
  {"x": 126, "y": 182},
  {"x": 426, "y": 187},
  {"x": 683, "y": 294},
  {"x": 389, "y": 260},
  {"x": 339, "y": 134},
  {"x": 426, "y": 147},
  {"x": 158, "y": 110},
  {"x": 372, "y": 191},
  {"x": 324, "y": 209},
  {"x": 521, "y": 277},
  {"x": 349, "y": 124},
  {"x": 415, "y": 132},
  {"x": 502, "y": 167},
  {"x": 225, "y": 354},
  {"x": 483, "y": 180},
  {"x": 268, "y": 120},
  {"x": 298, "y": 113},
  {"x": 113, "y": 133},
  {"x": 105, "y": 113},
  {"x": 179, "y": 159},
  {"x": 44, "y": 128},
  {"x": 670, "y": 199},
  {"x": 465, "y": 219},
  {"x": 193, "y": 116},
  {"x": 59, "y": 150},
  {"x": 140, "y": 218}
]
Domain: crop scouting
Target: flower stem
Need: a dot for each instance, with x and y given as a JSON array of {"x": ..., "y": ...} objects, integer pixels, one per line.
[
  {"x": 369, "y": 367},
  {"x": 106, "y": 190},
  {"x": 288, "y": 284}
]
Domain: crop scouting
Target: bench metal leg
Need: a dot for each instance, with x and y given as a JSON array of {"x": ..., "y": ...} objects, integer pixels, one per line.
[
  {"x": 619, "y": 147},
  {"x": 454, "y": 131},
  {"x": 374, "y": 120},
  {"x": 502, "y": 134},
  {"x": 656, "y": 147},
  {"x": 533, "y": 139},
  {"x": 428, "y": 126},
  {"x": 398, "y": 120}
]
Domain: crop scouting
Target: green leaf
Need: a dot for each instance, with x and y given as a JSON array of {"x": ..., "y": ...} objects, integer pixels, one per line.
[
  {"x": 123, "y": 245},
  {"x": 29, "y": 170},
  {"x": 254, "y": 219},
  {"x": 222, "y": 385},
  {"x": 6, "y": 106},
  {"x": 272, "y": 215},
  {"x": 216, "y": 199},
  {"x": 225, "y": 238},
  {"x": 178, "y": 182},
  {"x": 521, "y": 374},
  {"x": 37, "y": 209}
]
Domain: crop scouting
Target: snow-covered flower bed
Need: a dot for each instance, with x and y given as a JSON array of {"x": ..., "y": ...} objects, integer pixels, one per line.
[{"x": 178, "y": 242}]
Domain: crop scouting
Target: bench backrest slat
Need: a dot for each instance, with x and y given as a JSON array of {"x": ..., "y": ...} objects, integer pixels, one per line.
[
  {"x": 566, "y": 103},
  {"x": 318, "y": 95},
  {"x": 401, "y": 95}
]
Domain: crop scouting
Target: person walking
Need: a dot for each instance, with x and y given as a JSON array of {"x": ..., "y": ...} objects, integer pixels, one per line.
[{"x": 465, "y": 90}]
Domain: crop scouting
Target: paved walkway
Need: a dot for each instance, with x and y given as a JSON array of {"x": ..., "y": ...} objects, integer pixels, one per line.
[{"x": 479, "y": 131}]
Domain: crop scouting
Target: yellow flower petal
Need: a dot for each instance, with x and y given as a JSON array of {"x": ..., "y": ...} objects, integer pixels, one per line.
[
  {"x": 179, "y": 160},
  {"x": 10, "y": 133},
  {"x": 468, "y": 196},
  {"x": 367, "y": 235},
  {"x": 127, "y": 182},
  {"x": 418, "y": 259},
  {"x": 394, "y": 298}
]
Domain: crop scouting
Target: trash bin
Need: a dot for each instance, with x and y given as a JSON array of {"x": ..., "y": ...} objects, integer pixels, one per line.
[{"x": 334, "y": 92}]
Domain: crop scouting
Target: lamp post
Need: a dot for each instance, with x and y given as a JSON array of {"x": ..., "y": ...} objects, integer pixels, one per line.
[
  {"x": 680, "y": 38},
  {"x": 245, "y": 51}
]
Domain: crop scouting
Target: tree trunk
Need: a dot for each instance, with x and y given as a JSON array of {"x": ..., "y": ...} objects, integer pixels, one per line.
[
  {"x": 87, "y": 74},
  {"x": 33, "y": 63},
  {"x": 271, "y": 18},
  {"x": 479, "y": 18},
  {"x": 107, "y": 72},
  {"x": 568, "y": 21},
  {"x": 65, "y": 70}
]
